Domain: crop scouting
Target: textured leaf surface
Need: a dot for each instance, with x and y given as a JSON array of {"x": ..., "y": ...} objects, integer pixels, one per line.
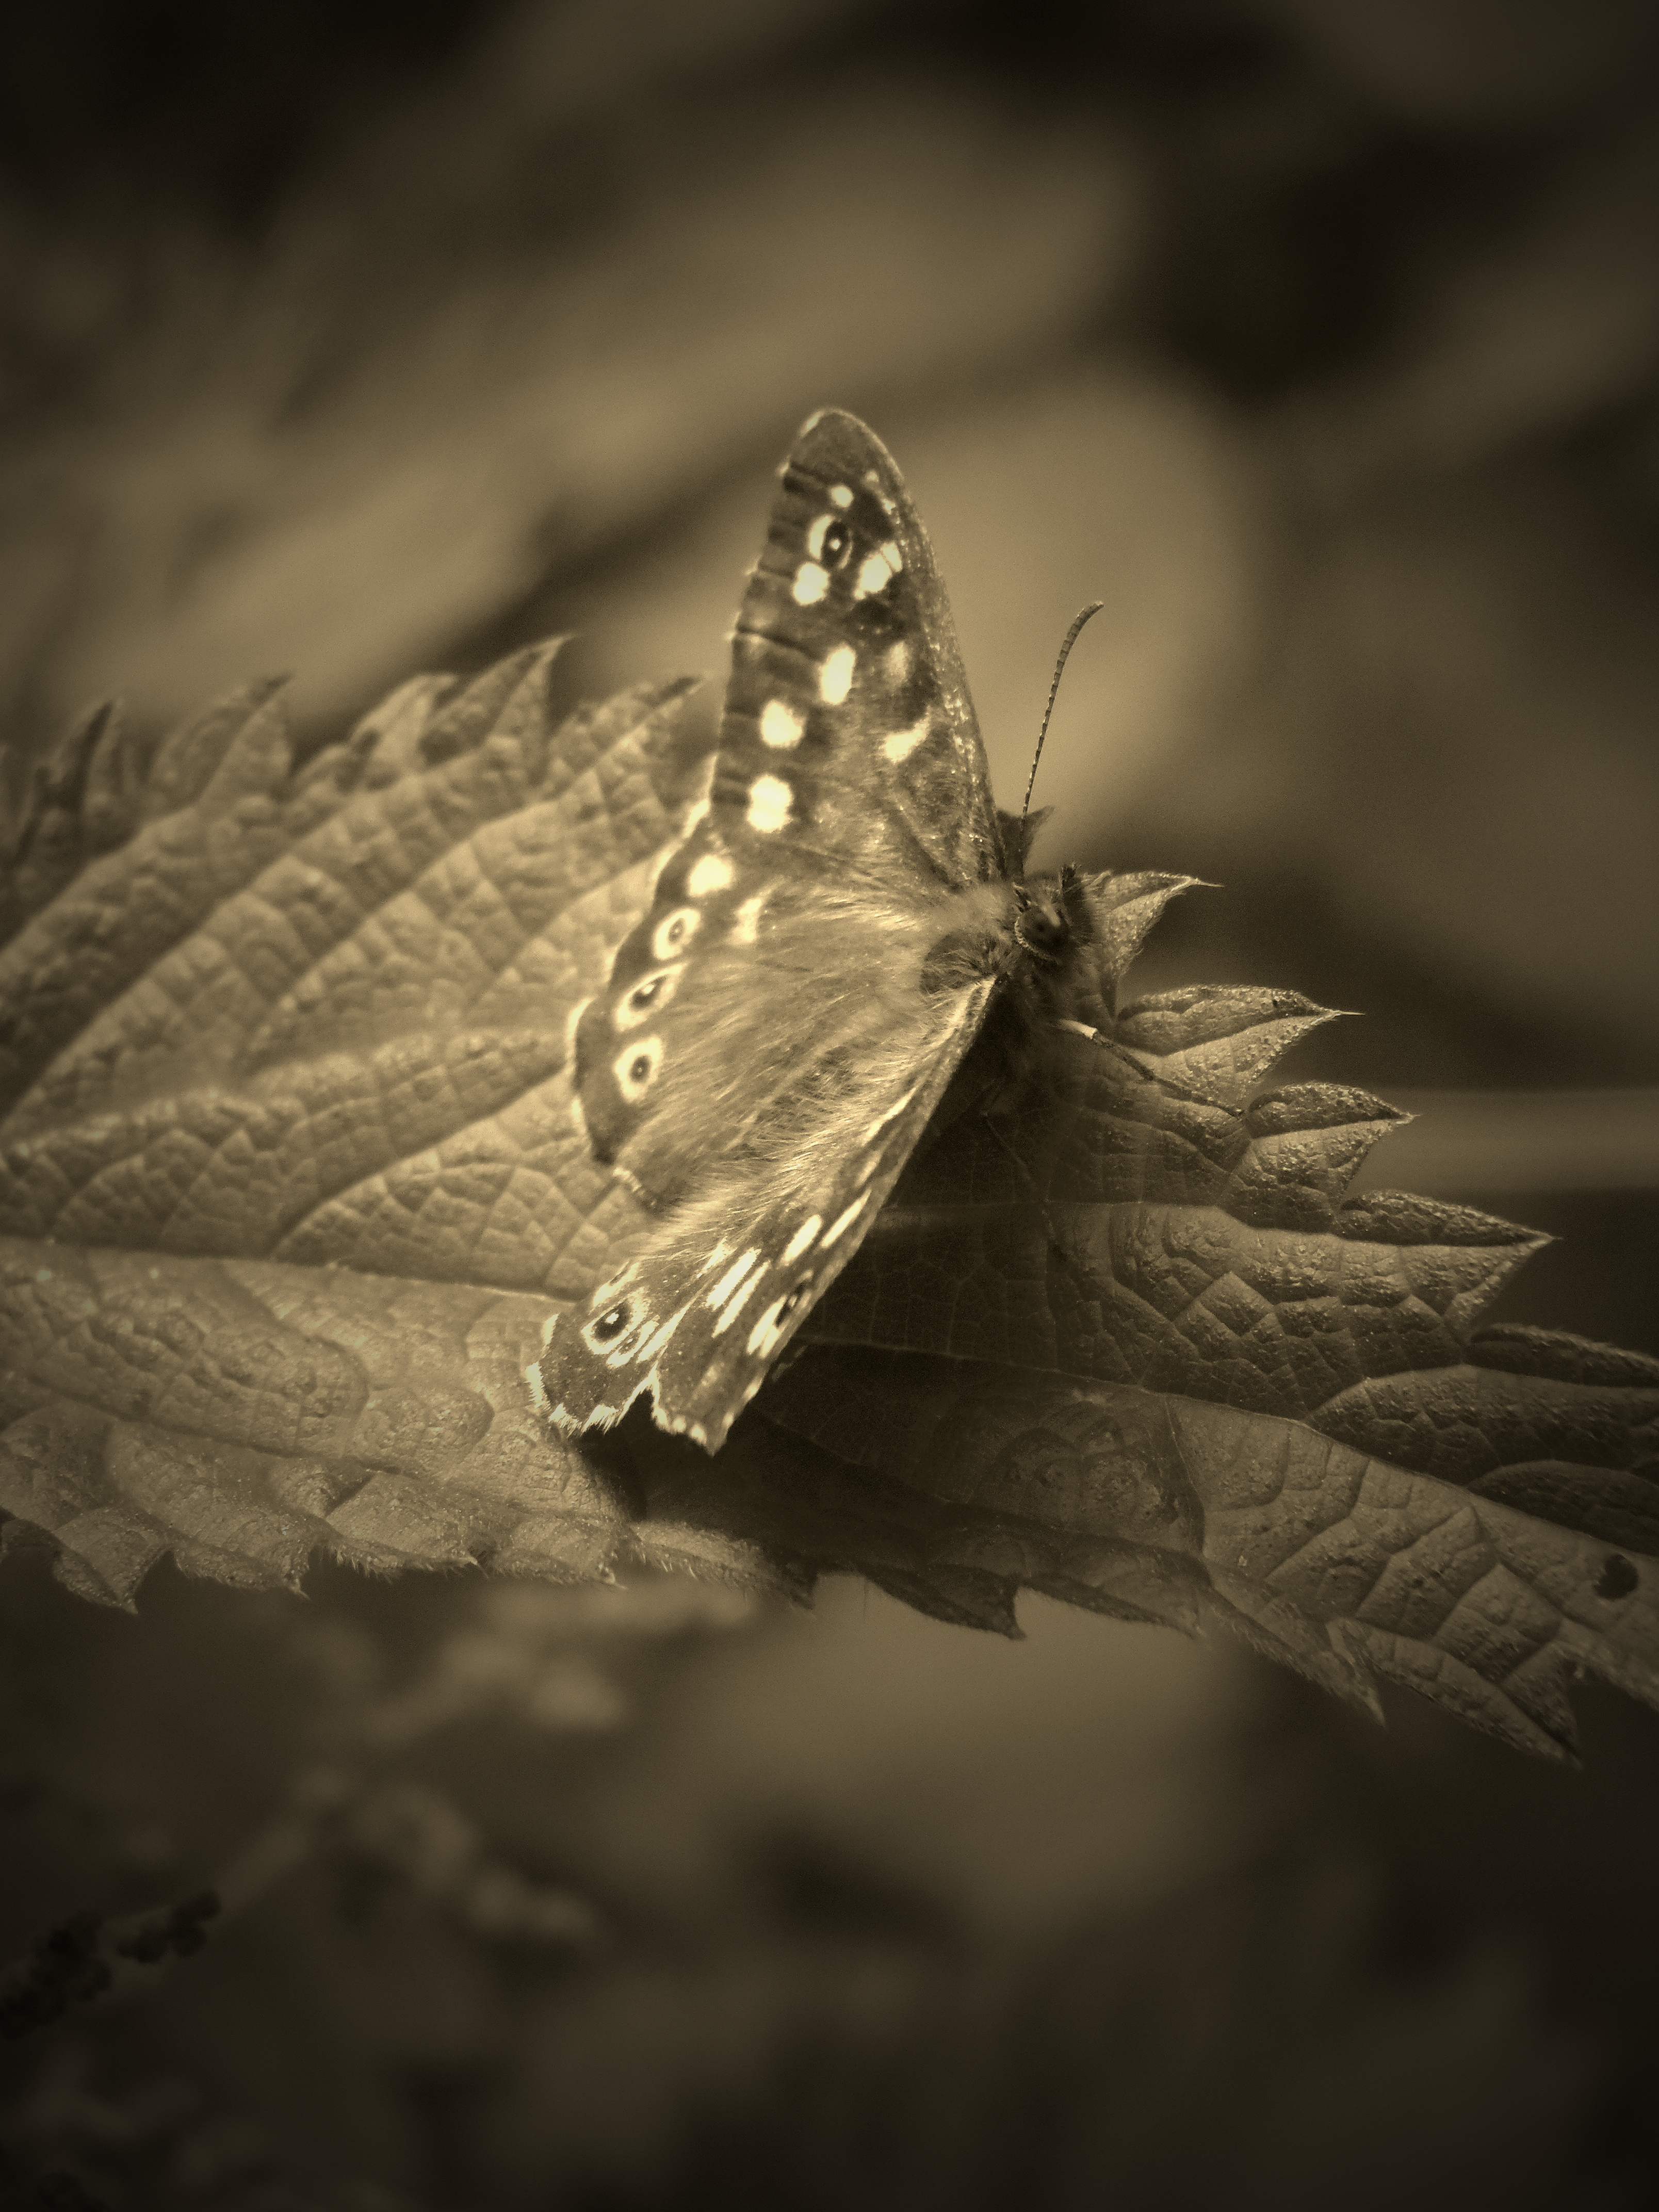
[
  {"x": 288, "y": 1169},
  {"x": 290, "y": 1189},
  {"x": 1155, "y": 1362}
]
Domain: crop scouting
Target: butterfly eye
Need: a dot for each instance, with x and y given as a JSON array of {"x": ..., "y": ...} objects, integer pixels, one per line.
[
  {"x": 793, "y": 1300},
  {"x": 837, "y": 544},
  {"x": 610, "y": 1325}
]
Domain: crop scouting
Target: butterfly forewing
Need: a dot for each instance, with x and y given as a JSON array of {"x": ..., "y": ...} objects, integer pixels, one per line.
[
  {"x": 846, "y": 678},
  {"x": 775, "y": 1033}
]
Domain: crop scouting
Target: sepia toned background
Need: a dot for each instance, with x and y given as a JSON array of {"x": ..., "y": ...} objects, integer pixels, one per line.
[{"x": 1320, "y": 340}]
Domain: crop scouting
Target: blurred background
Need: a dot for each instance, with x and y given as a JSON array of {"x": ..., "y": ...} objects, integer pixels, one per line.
[{"x": 1319, "y": 339}]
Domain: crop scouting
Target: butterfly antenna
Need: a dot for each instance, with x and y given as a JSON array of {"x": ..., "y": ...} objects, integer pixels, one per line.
[{"x": 1067, "y": 643}]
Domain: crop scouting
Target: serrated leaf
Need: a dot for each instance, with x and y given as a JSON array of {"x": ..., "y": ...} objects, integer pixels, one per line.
[
  {"x": 290, "y": 1190},
  {"x": 1165, "y": 1367}
]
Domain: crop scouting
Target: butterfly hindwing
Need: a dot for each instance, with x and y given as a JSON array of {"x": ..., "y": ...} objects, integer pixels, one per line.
[
  {"x": 775, "y": 1033},
  {"x": 698, "y": 1317}
]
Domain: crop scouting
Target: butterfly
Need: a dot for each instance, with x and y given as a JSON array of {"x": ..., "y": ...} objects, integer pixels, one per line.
[{"x": 845, "y": 908}]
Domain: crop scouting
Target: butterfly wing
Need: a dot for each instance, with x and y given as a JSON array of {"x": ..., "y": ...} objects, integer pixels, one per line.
[
  {"x": 698, "y": 1316},
  {"x": 848, "y": 577},
  {"x": 819, "y": 953}
]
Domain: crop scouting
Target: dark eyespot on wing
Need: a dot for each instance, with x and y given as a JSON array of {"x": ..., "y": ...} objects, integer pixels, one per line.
[{"x": 607, "y": 1328}]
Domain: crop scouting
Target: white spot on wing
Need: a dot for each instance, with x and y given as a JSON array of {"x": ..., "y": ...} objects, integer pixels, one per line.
[
  {"x": 675, "y": 931},
  {"x": 733, "y": 1275},
  {"x": 895, "y": 663},
  {"x": 769, "y": 801},
  {"x": 892, "y": 1115},
  {"x": 763, "y": 1337},
  {"x": 711, "y": 873},
  {"x": 901, "y": 744},
  {"x": 845, "y": 1220},
  {"x": 652, "y": 1346},
  {"x": 780, "y": 724},
  {"x": 636, "y": 1068},
  {"x": 842, "y": 494},
  {"x": 802, "y": 1237},
  {"x": 810, "y": 584},
  {"x": 747, "y": 926},
  {"x": 878, "y": 570},
  {"x": 738, "y": 1303},
  {"x": 602, "y": 1299},
  {"x": 836, "y": 675}
]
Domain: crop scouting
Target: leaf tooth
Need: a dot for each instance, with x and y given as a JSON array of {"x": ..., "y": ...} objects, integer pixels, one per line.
[
  {"x": 561, "y": 1547},
  {"x": 1125, "y": 909},
  {"x": 1312, "y": 1106},
  {"x": 1460, "y": 1257},
  {"x": 1405, "y": 1217},
  {"x": 966, "y": 1597},
  {"x": 1305, "y": 1147},
  {"x": 257, "y": 763},
  {"x": 462, "y": 724},
  {"x": 1176, "y": 1021},
  {"x": 384, "y": 744},
  {"x": 110, "y": 808},
  {"x": 1519, "y": 1348},
  {"x": 60, "y": 782},
  {"x": 1462, "y": 1424},
  {"x": 190, "y": 756},
  {"x": 1283, "y": 1632},
  {"x": 644, "y": 725},
  {"x": 65, "y": 818},
  {"x": 1538, "y": 1719},
  {"x": 397, "y": 1513},
  {"x": 1222, "y": 1068},
  {"x": 104, "y": 1554}
]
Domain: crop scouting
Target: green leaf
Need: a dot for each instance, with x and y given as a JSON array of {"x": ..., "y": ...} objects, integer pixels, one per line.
[{"x": 290, "y": 1193}]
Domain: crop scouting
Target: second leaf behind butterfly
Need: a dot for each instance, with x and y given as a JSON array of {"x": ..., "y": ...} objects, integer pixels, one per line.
[{"x": 844, "y": 909}]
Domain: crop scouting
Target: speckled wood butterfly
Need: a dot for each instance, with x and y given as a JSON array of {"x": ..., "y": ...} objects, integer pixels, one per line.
[{"x": 824, "y": 944}]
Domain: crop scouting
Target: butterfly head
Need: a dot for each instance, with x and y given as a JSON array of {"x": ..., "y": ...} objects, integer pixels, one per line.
[{"x": 1044, "y": 925}]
